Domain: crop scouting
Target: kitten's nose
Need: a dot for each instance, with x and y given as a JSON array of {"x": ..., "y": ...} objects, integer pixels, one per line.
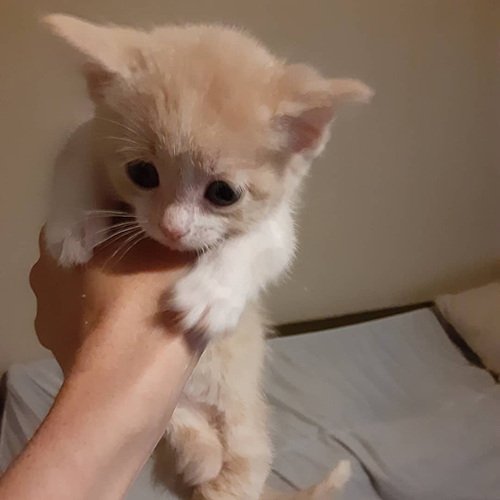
[{"x": 172, "y": 234}]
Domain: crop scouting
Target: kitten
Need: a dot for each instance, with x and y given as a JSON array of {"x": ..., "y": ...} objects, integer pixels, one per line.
[{"x": 207, "y": 138}]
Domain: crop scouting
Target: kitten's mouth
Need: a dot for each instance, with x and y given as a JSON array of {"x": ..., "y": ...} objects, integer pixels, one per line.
[
  {"x": 173, "y": 242},
  {"x": 181, "y": 245},
  {"x": 173, "y": 245}
]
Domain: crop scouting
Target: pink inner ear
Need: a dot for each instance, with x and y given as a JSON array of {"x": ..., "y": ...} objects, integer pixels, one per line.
[{"x": 307, "y": 129}]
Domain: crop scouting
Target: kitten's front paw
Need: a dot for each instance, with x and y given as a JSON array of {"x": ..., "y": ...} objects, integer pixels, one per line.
[
  {"x": 206, "y": 306},
  {"x": 68, "y": 251},
  {"x": 72, "y": 243}
]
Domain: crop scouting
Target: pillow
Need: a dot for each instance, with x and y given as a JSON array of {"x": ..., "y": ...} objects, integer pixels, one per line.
[{"x": 475, "y": 315}]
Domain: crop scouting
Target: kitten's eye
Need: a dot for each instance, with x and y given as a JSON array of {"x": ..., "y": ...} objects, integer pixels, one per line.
[
  {"x": 220, "y": 193},
  {"x": 143, "y": 174}
]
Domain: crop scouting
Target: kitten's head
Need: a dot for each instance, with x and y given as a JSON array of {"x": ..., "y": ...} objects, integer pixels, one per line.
[{"x": 199, "y": 128}]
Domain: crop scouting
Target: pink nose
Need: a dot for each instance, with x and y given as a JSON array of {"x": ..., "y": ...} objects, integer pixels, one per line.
[{"x": 173, "y": 234}]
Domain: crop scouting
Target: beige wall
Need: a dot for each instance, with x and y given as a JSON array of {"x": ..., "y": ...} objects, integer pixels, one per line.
[{"x": 403, "y": 204}]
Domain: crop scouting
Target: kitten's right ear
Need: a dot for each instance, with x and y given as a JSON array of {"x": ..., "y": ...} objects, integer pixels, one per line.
[
  {"x": 308, "y": 106},
  {"x": 104, "y": 47}
]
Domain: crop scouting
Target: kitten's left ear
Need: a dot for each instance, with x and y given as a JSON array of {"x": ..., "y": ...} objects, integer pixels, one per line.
[
  {"x": 106, "y": 48},
  {"x": 309, "y": 106}
]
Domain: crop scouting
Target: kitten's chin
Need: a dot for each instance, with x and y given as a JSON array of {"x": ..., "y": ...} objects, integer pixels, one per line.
[
  {"x": 183, "y": 246},
  {"x": 172, "y": 245}
]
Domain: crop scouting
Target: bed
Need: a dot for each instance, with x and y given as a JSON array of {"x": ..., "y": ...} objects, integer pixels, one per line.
[{"x": 395, "y": 396}]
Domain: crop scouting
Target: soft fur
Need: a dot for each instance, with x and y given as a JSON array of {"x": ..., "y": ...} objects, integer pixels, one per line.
[{"x": 201, "y": 103}]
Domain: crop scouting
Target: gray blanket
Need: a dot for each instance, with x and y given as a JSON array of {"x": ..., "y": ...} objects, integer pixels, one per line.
[{"x": 394, "y": 396}]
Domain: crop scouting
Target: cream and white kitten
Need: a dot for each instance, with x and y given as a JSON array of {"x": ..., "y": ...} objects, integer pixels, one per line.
[{"x": 205, "y": 137}]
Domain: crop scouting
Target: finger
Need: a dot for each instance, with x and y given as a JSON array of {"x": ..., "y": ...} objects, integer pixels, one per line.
[{"x": 36, "y": 268}]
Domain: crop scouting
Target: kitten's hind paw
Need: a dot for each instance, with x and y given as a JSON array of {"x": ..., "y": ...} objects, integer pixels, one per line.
[{"x": 204, "y": 464}]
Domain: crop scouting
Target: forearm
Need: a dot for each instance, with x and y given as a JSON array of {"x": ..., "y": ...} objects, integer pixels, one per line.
[{"x": 106, "y": 420}]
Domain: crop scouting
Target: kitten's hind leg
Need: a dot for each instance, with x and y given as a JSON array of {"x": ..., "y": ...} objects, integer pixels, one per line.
[
  {"x": 196, "y": 444},
  {"x": 246, "y": 462}
]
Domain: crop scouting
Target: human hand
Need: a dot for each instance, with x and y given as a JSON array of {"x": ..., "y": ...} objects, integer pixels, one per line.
[
  {"x": 125, "y": 367},
  {"x": 75, "y": 303}
]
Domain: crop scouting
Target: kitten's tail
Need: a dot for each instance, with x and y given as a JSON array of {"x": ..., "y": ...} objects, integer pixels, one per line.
[{"x": 334, "y": 482}]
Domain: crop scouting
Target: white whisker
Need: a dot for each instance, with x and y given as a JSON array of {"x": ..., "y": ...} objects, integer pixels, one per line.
[
  {"x": 142, "y": 236},
  {"x": 106, "y": 215},
  {"x": 125, "y": 139},
  {"x": 131, "y": 130},
  {"x": 108, "y": 212},
  {"x": 116, "y": 226},
  {"x": 121, "y": 247},
  {"x": 114, "y": 237},
  {"x": 127, "y": 149},
  {"x": 131, "y": 145}
]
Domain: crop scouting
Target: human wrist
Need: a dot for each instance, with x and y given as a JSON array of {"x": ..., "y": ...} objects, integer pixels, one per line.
[
  {"x": 134, "y": 362},
  {"x": 121, "y": 413}
]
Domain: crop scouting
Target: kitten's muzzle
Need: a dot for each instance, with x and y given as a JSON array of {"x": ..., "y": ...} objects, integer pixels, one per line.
[{"x": 173, "y": 234}]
